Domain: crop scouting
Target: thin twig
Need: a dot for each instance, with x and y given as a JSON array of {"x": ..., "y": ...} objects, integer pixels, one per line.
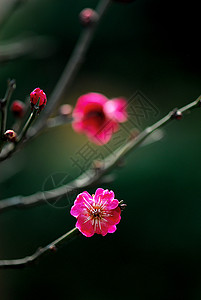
[
  {"x": 33, "y": 45},
  {"x": 69, "y": 73},
  {"x": 71, "y": 69},
  {"x": 28, "y": 260},
  {"x": 92, "y": 176},
  {"x": 9, "y": 12},
  {"x": 58, "y": 121},
  {"x": 4, "y": 109}
]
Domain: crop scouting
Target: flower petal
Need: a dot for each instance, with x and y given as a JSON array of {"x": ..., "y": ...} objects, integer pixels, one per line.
[
  {"x": 116, "y": 109},
  {"x": 84, "y": 224},
  {"x": 114, "y": 216},
  {"x": 113, "y": 204},
  {"x": 112, "y": 228},
  {"x": 98, "y": 192}
]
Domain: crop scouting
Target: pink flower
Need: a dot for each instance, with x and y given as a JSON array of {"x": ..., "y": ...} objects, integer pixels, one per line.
[
  {"x": 88, "y": 17},
  {"x": 99, "y": 213},
  {"x": 98, "y": 117}
]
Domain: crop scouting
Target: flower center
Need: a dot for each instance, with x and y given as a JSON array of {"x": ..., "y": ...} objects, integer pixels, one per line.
[{"x": 96, "y": 213}]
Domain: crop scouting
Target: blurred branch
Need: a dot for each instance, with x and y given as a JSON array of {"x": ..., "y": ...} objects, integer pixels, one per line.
[
  {"x": 28, "y": 260},
  {"x": 3, "y": 109},
  {"x": 76, "y": 60},
  {"x": 97, "y": 172},
  {"x": 58, "y": 121},
  {"x": 7, "y": 9},
  {"x": 66, "y": 78},
  {"x": 39, "y": 46}
]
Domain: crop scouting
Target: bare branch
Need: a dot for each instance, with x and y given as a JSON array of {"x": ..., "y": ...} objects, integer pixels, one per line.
[
  {"x": 28, "y": 260},
  {"x": 3, "y": 109},
  {"x": 38, "y": 46},
  {"x": 7, "y": 9},
  {"x": 71, "y": 69},
  {"x": 92, "y": 176}
]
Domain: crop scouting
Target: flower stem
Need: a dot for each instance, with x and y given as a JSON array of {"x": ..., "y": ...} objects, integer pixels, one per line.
[
  {"x": 71, "y": 69},
  {"x": 23, "y": 262},
  {"x": 92, "y": 176},
  {"x": 27, "y": 125},
  {"x": 4, "y": 109}
]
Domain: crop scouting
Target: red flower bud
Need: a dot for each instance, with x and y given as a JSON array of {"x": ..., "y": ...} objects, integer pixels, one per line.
[
  {"x": 88, "y": 17},
  {"x": 38, "y": 96},
  {"x": 10, "y": 136},
  {"x": 18, "y": 108}
]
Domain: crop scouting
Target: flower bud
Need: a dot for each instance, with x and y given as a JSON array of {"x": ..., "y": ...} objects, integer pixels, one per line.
[
  {"x": 65, "y": 110},
  {"x": 38, "y": 97},
  {"x": 88, "y": 17},
  {"x": 18, "y": 108},
  {"x": 10, "y": 136}
]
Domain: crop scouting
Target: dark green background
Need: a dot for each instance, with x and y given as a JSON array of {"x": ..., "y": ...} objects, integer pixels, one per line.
[{"x": 149, "y": 45}]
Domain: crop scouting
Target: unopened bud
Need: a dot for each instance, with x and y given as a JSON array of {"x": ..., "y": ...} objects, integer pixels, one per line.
[
  {"x": 38, "y": 98},
  {"x": 10, "y": 136},
  {"x": 65, "y": 110},
  {"x": 18, "y": 108},
  {"x": 88, "y": 17}
]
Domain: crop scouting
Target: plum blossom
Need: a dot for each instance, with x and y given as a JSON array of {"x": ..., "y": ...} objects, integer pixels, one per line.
[
  {"x": 99, "y": 213},
  {"x": 36, "y": 95},
  {"x": 98, "y": 117}
]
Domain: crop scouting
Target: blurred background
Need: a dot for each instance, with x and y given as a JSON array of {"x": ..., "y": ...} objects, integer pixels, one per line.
[{"x": 150, "y": 46}]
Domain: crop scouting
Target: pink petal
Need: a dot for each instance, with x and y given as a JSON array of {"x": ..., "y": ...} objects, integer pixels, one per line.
[
  {"x": 98, "y": 192},
  {"x": 103, "y": 227},
  {"x": 76, "y": 210},
  {"x": 82, "y": 197},
  {"x": 89, "y": 98},
  {"x": 84, "y": 224},
  {"x": 115, "y": 216},
  {"x": 112, "y": 228},
  {"x": 116, "y": 109},
  {"x": 113, "y": 204},
  {"x": 108, "y": 195},
  {"x": 105, "y": 194},
  {"x": 83, "y": 201},
  {"x": 104, "y": 134}
]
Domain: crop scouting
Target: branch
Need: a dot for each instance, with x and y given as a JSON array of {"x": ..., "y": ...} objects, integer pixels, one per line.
[
  {"x": 4, "y": 109},
  {"x": 7, "y": 13},
  {"x": 28, "y": 260},
  {"x": 35, "y": 45},
  {"x": 92, "y": 176},
  {"x": 72, "y": 67},
  {"x": 70, "y": 71}
]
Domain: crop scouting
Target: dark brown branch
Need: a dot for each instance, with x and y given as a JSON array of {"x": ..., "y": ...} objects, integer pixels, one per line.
[
  {"x": 92, "y": 176},
  {"x": 28, "y": 260}
]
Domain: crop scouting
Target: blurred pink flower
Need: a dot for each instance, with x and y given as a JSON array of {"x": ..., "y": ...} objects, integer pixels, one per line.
[
  {"x": 99, "y": 213},
  {"x": 98, "y": 117}
]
